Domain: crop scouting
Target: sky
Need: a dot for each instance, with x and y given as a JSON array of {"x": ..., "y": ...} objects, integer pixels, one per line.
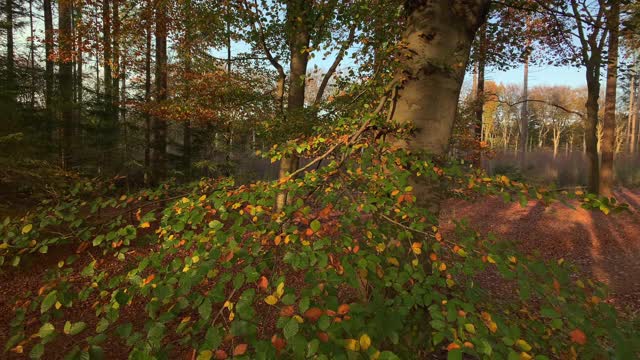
[{"x": 541, "y": 75}]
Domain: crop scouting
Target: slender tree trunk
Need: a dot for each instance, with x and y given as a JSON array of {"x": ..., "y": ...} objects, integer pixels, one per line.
[
  {"x": 431, "y": 74},
  {"x": 147, "y": 96},
  {"x": 609, "y": 121},
  {"x": 116, "y": 61},
  {"x": 482, "y": 52},
  {"x": 297, "y": 9},
  {"x": 48, "y": 73},
  {"x": 159, "y": 125},
  {"x": 65, "y": 80},
  {"x": 32, "y": 55},
  {"x": 186, "y": 131},
  {"x": 591, "y": 135},
  {"x": 79, "y": 65},
  {"x": 524, "y": 115},
  {"x": 11, "y": 86},
  {"x": 107, "y": 54},
  {"x": 632, "y": 113}
]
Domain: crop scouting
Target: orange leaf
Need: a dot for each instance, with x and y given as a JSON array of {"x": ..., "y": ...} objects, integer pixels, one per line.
[
  {"x": 220, "y": 355},
  {"x": 313, "y": 314},
  {"x": 287, "y": 311},
  {"x": 82, "y": 247},
  {"x": 343, "y": 309},
  {"x": 263, "y": 283},
  {"x": 149, "y": 279},
  {"x": 578, "y": 336},
  {"x": 278, "y": 343},
  {"x": 240, "y": 350},
  {"x": 323, "y": 336},
  {"x": 453, "y": 346}
]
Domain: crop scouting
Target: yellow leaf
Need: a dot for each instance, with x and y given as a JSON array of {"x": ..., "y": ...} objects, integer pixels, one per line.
[
  {"x": 123, "y": 197},
  {"x": 490, "y": 259},
  {"x": 185, "y": 200},
  {"x": 202, "y": 198},
  {"x": 298, "y": 318},
  {"x": 271, "y": 300},
  {"x": 525, "y": 356},
  {"x": 4, "y": 246},
  {"x": 395, "y": 192},
  {"x": 380, "y": 247},
  {"x": 365, "y": 342},
  {"x": 442, "y": 267},
  {"x": 352, "y": 344},
  {"x": 416, "y": 247},
  {"x": 393, "y": 261},
  {"x": 27, "y": 228},
  {"x": 280, "y": 290},
  {"x": 513, "y": 259},
  {"x": 145, "y": 225},
  {"x": 195, "y": 259},
  {"x": 58, "y": 305},
  {"x": 205, "y": 355},
  {"x": 523, "y": 345}
]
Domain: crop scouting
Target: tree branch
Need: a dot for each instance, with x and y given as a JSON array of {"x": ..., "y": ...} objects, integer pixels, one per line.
[{"x": 334, "y": 66}]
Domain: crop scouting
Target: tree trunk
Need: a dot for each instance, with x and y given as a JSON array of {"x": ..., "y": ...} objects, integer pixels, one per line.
[
  {"x": 116, "y": 61},
  {"x": 147, "y": 96},
  {"x": 609, "y": 120},
  {"x": 299, "y": 43},
  {"x": 159, "y": 126},
  {"x": 632, "y": 113},
  {"x": 79, "y": 64},
  {"x": 591, "y": 134},
  {"x": 11, "y": 71},
  {"x": 524, "y": 115},
  {"x": 48, "y": 73},
  {"x": 431, "y": 74},
  {"x": 106, "y": 43},
  {"x": 65, "y": 79},
  {"x": 479, "y": 108},
  {"x": 32, "y": 60},
  {"x": 186, "y": 130}
]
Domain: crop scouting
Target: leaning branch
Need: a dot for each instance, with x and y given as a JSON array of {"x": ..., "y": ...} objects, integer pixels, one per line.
[{"x": 334, "y": 66}]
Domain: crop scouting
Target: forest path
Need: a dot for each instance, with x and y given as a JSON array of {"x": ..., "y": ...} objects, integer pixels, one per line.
[{"x": 606, "y": 247}]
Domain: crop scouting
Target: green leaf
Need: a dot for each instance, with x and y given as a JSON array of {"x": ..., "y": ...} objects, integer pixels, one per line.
[
  {"x": 46, "y": 330},
  {"x": 37, "y": 351},
  {"x": 316, "y": 225},
  {"x": 455, "y": 354},
  {"x": 74, "y": 329},
  {"x": 48, "y": 301},
  {"x": 205, "y": 355},
  {"x": 291, "y": 328},
  {"x": 102, "y": 325}
]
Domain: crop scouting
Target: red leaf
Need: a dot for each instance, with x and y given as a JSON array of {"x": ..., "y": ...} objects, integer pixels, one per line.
[{"x": 578, "y": 336}]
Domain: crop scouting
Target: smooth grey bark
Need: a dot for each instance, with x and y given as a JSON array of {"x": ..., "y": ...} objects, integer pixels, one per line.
[{"x": 438, "y": 38}]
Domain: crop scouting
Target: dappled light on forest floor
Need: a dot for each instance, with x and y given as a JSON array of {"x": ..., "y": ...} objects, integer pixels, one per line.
[{"x": 603, "y": 247}]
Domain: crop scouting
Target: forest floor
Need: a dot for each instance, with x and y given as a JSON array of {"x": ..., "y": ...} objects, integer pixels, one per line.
[{"x": 603, "y": 247}]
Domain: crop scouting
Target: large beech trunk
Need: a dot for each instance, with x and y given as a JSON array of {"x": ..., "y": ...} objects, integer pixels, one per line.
[
  {"x": 438, "y": 36},
  {"x": 609, "y": 120}
]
